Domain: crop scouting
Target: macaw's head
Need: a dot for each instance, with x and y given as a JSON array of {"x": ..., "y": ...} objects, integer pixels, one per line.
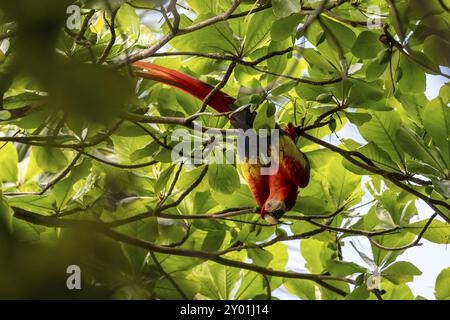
[
  {"x": 273, "y": 210},
  {"x": 281, "y": 199}
]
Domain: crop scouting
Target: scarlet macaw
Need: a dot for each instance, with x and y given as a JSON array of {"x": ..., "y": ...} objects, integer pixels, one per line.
[{"x": 274, "y": 193}]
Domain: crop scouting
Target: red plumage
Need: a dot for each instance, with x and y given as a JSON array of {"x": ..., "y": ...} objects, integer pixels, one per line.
[{"x": 221, "y": 102}]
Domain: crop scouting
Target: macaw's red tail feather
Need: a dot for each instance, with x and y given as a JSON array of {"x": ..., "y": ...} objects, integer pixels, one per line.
[{"x": 221, "y": 102}]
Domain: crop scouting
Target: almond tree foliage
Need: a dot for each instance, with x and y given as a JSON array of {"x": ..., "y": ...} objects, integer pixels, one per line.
[{"x": 85, "y": 154}]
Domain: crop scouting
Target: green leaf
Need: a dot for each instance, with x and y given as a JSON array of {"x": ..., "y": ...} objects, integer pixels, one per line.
[
  {"x": 6, "y": 215},
  {"x": 384, "y": 215},
  {"x": 265, "y": 118},
  {"x": 164, "y": 178},
  {"x": 144, "y": 229},
  {"x": 442, "y": 289},
  {"x": 215, "y": 38},
  {"x": 342, "y": 183},
  {"x": 401, "y": 272},
  {"x": 382, "y": 131},
  {"x": 375, "y": 70},
  {"x": 252, "y": 285},
  {"x": 303, "y": 289},
  {"x": 9, "y": 161},
  {"x": 223, "y": 178},
  {"x": 64, "y": 190},
  {"x": 359, "y": 293},
  {"x": 148, "y": 150},
  {"x": 437, "y": 48},
  {"x": 436, "y": 120},
  {"x": 221, "y": 280},
  {"x": 278, "y": 63},
  {"x": 187, "y": 178},
  {"x": 284, "y": 8},
  {"x": 367, "y": 45},
  {"x": 166, "y": 291},
  {"x": 343, "y": 268},
  {"x": 284, "y": 28},
  {"x": 38, "y": 204},
  {"x": 240, "y": 198},
  {"x": 325, "y": 98},
  {"x": 345, "y": 35},
  {"x": 380, "y": 157},
  {"x": 316, "y": 254},
  {"x": 309, "y": 92},
  {"x": 396, "y": 292},
  {"x": 311, "y": 205},
  {"x": 413, "y": 145},
  {"x": 4, "y": 115},
  {"x": 203, "y": 6},
  {"x": 50, "y": 159},
  {"x": 316, "y": 60},
  {"x": 437, "y": 232},
  {"x": 22, "y": 100},
  {"x": 258, "y": 31},
  {"x": 128, "y": 21},
  {"x": 383, "y": 257},
  {"x": 358, "y": 118},
  {"x": 362, "y": 93},
  {"x": 413, "y": 79}
]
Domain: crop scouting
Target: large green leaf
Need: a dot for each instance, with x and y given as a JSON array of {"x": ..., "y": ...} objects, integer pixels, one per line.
[
  {"x": 343, "y": 268},
  {"x": 284, "y": 8},
  {"x": 303, "y": 289},
  {"x": 436, "y": 120},
  {"x": 413, "y": 80},
  {"x": 367, "y": 45},
  {"x": 8, "y": 162},
  {"x": 442, "y": 289},
  {"x": 382, "y": 131},
  {"x": 223, "y": 178},
  {"x": 22, "y": 100},
  {"x": 50, "y": 159},
  {"x": 437, "y": 231},
  {"x": 6, "y": 215},
  {"x": 413, "y": 145},
  {"x": 342, "y": 183},
  {"x": 317, "y": 254},
  {"x": 252, "y": 285},
  {"x": 344, "y": 34},
  {"x": 215, "y": 38},
  {"x": 258, "y": 31},
  {"x": 401, "y": 272},
  {"x": 65, "y": 189},
  {"x": 283, "y": 28},
  {"x": 225, "y": 278}
]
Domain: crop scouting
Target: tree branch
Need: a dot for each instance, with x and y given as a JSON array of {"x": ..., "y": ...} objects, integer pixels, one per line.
[{"x": 105, "y": 230}]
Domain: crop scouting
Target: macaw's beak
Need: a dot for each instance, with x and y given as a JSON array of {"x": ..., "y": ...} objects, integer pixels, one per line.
[
  {"x": 270, "y": 220},
  {"x": 273, "y": 211}
]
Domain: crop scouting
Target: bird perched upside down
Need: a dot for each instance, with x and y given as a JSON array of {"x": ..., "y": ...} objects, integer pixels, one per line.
[{"x": 274, "y": 193}]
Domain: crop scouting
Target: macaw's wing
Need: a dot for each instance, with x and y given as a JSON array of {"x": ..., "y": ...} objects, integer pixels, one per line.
[
  {"x": 258, "y": 184},
  {"x": 293, "y": 163}
]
